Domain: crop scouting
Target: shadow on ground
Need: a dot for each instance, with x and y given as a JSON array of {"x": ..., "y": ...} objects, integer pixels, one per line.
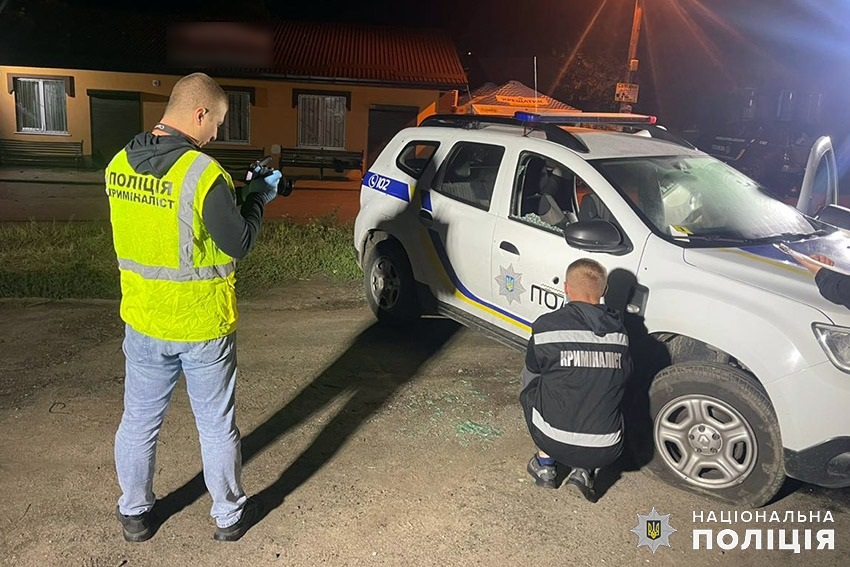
[{"x": 375, "y": 366}]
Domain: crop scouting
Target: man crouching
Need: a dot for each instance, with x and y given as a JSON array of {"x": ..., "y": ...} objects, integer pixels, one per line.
[{"x": 576, "y": 368}]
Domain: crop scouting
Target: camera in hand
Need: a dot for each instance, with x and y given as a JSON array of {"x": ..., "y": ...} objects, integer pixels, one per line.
[{"x": 260, "y": 169}]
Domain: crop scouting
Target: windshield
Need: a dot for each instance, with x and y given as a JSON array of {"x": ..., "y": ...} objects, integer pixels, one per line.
[{"x": 689, "y": 197}]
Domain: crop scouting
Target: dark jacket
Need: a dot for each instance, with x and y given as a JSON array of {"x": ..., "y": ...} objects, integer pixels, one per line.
[
  {"x": 576, "y": 368},
  {"x": 233, "y": 229},
  {"x": 834, "y": 286}
]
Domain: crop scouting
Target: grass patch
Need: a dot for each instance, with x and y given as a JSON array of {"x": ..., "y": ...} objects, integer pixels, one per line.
[
  {"x": 76, "y": 259},
  {"x": 287, "y": 251},
  {"x": 58, "y": 260}
]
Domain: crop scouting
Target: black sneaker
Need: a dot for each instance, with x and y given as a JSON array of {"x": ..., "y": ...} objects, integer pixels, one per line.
[
  {"x": 581, "y": 481},
  {"x": 136, "y": 528},
  {"x": 544, "y": 475},
  {"x": 251, "y": 514}
]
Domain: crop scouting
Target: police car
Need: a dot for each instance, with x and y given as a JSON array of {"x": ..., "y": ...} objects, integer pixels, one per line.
[{"x": 744, "y": 369}]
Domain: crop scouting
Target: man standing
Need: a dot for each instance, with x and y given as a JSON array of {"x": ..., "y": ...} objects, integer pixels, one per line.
[
  {"x": 576, "y": 368},
  {"x": 177, "y": 233}
]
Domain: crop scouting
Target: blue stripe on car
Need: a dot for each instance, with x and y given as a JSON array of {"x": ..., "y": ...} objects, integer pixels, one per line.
[
  {"x": 387, "y": 185},
  {"x": 447, "y": 266}
]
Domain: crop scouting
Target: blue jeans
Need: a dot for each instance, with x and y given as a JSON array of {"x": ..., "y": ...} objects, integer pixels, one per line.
[{"x": 152, "y": 369}]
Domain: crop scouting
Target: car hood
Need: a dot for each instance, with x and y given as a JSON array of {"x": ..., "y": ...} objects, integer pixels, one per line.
[{"x": 766, "y": 267}]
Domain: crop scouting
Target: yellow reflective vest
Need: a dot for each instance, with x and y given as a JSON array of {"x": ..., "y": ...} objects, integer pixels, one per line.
[{"x": 176, "y": 284}]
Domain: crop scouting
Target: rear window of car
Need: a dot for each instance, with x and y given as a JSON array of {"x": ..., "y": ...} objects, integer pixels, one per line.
[{"x": 416, "y": 156}]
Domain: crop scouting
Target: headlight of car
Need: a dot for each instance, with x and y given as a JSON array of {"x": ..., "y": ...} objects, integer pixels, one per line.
[{"x": 835, "y": 342}]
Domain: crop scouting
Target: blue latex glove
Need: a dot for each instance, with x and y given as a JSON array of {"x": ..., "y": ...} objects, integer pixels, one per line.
[{"x": 266, "y": 187}]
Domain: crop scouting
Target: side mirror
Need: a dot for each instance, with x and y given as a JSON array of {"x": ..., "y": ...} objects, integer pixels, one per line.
[
  {"x": 596, "y": 236},
  {"x": 835, "y": 215}
]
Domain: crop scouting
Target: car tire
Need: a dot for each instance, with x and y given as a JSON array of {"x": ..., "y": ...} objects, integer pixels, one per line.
[
  {"x": 715, "y": 433},
  {"x": 388, "y": 283}
]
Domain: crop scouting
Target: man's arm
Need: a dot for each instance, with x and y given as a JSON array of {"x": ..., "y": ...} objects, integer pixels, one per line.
[
  {"x": 234, "y": 230},
  {"x": 834, "y": 286},
  {"x": 531, "y": 370},
  {"x": 813, "y": 267}
]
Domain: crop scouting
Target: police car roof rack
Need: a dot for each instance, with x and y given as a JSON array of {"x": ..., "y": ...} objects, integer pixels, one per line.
[
  {"x": 475, "y": 121},
  {"x": 551, "y": 125},
  {"x": 635, "y": 122}
]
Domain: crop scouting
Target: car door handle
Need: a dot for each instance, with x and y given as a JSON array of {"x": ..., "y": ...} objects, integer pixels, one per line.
[
  {"x": 426, "y": 217},
  {"x": 508, "y": 247}
]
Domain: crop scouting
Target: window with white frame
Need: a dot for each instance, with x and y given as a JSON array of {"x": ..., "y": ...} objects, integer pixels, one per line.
[
  {"x": 321, "y": 121},
  {"x": 237, "y": 123},
  {"x": 40, "y": 105}
]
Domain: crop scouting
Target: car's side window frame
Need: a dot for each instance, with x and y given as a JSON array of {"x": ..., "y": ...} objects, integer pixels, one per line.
[
  {"x": 460, "y": 191},
  {"x": 418, "y": 172},
  {"x": 565, "y": 180}
]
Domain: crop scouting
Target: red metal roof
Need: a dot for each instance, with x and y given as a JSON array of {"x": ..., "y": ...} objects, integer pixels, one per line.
[
  {"x": 367, "y": 53},
  {"x": 301, "y": 50}
]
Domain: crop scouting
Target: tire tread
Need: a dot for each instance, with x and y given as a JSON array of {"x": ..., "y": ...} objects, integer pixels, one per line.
[{"x": 746, "y": 389}]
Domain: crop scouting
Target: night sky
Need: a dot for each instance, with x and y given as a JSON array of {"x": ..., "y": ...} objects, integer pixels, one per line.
[{"x": 691, "y": 51}]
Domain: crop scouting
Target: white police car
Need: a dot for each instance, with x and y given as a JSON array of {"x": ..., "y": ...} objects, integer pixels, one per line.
[{"x": 477, "y": 218}]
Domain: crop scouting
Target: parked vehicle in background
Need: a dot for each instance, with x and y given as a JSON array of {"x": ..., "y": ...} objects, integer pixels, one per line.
[
  {"x": 779, "y": 165},
  {"x": 766, "y": 135}
]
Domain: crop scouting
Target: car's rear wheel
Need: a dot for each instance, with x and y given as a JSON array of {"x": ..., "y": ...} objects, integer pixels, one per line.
[
  {"x": 715, "y": 432},
  {"x": 388, "y": 283}
]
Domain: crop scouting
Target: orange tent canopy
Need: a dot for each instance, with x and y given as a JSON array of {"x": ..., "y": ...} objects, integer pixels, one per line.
[{"x": 506, "y": 99}]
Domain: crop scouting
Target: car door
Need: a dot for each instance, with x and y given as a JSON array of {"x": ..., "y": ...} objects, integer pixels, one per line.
[
  {"x": 820, "y": 181},
  {"x": 530, "y": 254},
  {"x": 456, "y": 212}
]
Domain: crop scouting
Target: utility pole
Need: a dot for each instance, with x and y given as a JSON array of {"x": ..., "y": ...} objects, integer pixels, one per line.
[{"x": 632, "y": 63}]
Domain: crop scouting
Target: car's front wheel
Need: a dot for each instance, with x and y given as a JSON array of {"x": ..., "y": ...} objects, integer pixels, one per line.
[
  {"x": 715, "y": 432},
  {"x": 389, "y": 284}
]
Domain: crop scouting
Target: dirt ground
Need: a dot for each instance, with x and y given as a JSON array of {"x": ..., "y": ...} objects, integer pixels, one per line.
[{"x": 368, "y": 447}]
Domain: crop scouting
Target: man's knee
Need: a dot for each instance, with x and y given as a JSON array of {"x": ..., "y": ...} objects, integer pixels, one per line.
[{"x": 218, "y": 432}]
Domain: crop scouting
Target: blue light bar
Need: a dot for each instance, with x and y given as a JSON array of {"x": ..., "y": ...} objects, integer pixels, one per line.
[
  {"x": 586, "y": 118},
  {"x": 527, "y": 116}
]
